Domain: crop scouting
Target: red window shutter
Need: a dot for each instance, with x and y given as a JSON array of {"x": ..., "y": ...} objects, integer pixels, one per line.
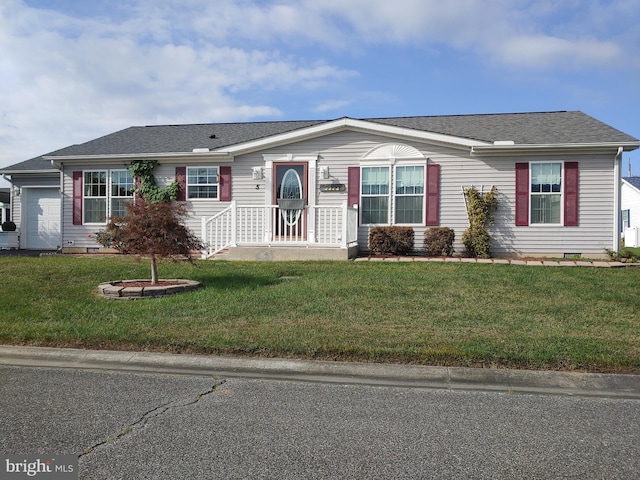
[
  {"x": 353, "y": 186},
  {"x": 225, "y": 184},
  {"x": 522, "y": 194},
  {"x": 571, "y": 194},
  {"x": 181, "y": 178},
  {"x": 77, "y": 198},
  {"x": 433, "y": 195}
]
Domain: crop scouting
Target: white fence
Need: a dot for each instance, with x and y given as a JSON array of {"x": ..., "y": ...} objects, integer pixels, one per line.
[{"x": 254, "y": 225}]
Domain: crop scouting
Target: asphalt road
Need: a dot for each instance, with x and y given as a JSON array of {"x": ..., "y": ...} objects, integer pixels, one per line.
[{"x": 156, "y": 426}]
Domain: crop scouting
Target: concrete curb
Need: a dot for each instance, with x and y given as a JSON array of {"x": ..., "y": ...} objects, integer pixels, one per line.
[{"x": 373, "y": 374}]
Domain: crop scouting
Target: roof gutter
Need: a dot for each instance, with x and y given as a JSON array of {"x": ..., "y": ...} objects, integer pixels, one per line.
[
  {"x": 200, "y": 155},
  {"x": 30, "y": 172},
  {"x": 545, "y": 149}
]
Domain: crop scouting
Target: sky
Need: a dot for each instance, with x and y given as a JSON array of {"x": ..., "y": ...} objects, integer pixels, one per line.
[{"x": 74, "y": 70}]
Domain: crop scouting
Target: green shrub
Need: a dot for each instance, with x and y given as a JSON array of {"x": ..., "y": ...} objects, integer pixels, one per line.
[
  {"x": 477, "y": 242},
  {"x": 391, "y": 240},
  {"x": 622, "y": 255},
  {"x": 480, "y": 209},
  {"x": 438, "y": 241}
]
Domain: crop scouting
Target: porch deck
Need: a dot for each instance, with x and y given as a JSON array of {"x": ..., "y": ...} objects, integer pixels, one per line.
[{"x": 270, "y": 232}]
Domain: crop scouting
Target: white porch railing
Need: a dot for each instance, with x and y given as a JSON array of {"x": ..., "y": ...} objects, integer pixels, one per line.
[{"x": 259, "y": 225}]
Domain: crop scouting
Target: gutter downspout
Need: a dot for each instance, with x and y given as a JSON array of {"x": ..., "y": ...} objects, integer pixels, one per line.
[
  {"x": 61, "y": 189},
  {"x": 617, "y": 163}
]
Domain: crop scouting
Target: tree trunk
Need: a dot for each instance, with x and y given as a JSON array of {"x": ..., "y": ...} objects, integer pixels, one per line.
[{"x": 154, "y": 270}]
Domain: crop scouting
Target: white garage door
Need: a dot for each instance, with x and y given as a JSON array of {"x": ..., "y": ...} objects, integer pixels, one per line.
[{"x": 42, "y": 218}]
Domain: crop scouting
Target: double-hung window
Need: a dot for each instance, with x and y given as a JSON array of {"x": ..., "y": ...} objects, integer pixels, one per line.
[
  {"x": 122, "y": 187},
  {"x": 403, "y": 203},
  {"x": 202, "y": 182},
  {"x": 104, "y": 194},
  {"x": 95, "y": 197},
  {"x": 375, "y": 195},
  {"x": 546, "y": 193},
  {"x": 409, "y": 199}
]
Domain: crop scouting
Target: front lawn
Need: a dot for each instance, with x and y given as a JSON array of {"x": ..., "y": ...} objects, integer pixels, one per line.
[{"x": 423, "y": 313}]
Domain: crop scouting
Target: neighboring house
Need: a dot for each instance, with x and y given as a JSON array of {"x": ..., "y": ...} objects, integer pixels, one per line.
[
  {"x": 5, "y": 205},
  {"x": 630, "y": 221},
  {"x": 313, "y": 189}
]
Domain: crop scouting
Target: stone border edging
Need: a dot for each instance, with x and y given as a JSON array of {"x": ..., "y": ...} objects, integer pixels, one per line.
[
  {"x": 502, "y": 261},
  {"x": 120, "y": 292}
]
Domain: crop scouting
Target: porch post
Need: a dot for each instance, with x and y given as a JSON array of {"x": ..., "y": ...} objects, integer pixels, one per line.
[
  {"x": 268, "y": 199},
  {"x": 345, "y": 224},
  {"x": 311, "y": 200},
  {"x": 203, "y": 235},
  {"x": 234, "y": 223}
]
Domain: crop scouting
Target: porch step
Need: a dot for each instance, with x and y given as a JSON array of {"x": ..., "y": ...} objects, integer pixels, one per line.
[{"x": 285, "y": 253}]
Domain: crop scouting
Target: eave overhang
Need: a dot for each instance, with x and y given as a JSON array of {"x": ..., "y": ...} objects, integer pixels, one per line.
[
  {"x": 129, "y": 157},
  {"x": 555, "y": 148},
  {"x": 44, "y": 172}
]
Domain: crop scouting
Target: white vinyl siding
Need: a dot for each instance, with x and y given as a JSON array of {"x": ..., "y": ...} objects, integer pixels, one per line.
[
  {"x": 457, "y": 170},
  {"x": 630, "y": 201}
]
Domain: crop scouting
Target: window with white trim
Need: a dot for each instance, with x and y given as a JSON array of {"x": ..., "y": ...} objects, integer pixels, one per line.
[
  {"x": 626, "y": 219},
  {"x": 122, "y": 189},
  {"x": 375, "y": 195},
  {"x": 546, "y": 193},
  {"x": 104, "y": 193},
  {"x": 401, "y": 205},
  {"x": 202, "y": 182},
  {"x": 409, "y": 200}
]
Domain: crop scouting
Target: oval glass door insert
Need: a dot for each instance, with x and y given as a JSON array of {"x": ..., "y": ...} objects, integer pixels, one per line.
[{"x": 291, "y": 188}]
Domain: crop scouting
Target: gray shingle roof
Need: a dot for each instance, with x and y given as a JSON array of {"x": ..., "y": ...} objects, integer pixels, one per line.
[
  {"x": 522, "y": 128},
  {"x": 635, "y": 181}
]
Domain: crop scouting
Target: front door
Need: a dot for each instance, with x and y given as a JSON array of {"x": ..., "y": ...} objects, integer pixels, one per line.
[{"x": 290, "y": 218}]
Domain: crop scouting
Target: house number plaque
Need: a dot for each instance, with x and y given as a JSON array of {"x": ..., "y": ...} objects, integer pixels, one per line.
[{"x": 333, "y": 187}]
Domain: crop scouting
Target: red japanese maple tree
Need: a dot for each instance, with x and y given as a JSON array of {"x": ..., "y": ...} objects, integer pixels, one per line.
[{"x": 153, "y": 229}]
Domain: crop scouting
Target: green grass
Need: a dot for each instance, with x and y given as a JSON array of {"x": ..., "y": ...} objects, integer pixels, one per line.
[{"x": 418, "y": 312}]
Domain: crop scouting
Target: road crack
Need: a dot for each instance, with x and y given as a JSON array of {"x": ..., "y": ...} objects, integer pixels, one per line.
[{"x": 150, "y": 415}]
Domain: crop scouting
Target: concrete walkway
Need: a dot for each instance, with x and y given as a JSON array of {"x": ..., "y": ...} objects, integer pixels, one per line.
[{"x": 410, "y": 376}]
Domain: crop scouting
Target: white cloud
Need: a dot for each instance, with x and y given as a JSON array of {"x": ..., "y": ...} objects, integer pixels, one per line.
[
  {"x": 330, "y": 105},
  {"x": 71, "y": 76},
  {"x": 72, "y": 79},
  {"x": 541, "y": 52}
]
